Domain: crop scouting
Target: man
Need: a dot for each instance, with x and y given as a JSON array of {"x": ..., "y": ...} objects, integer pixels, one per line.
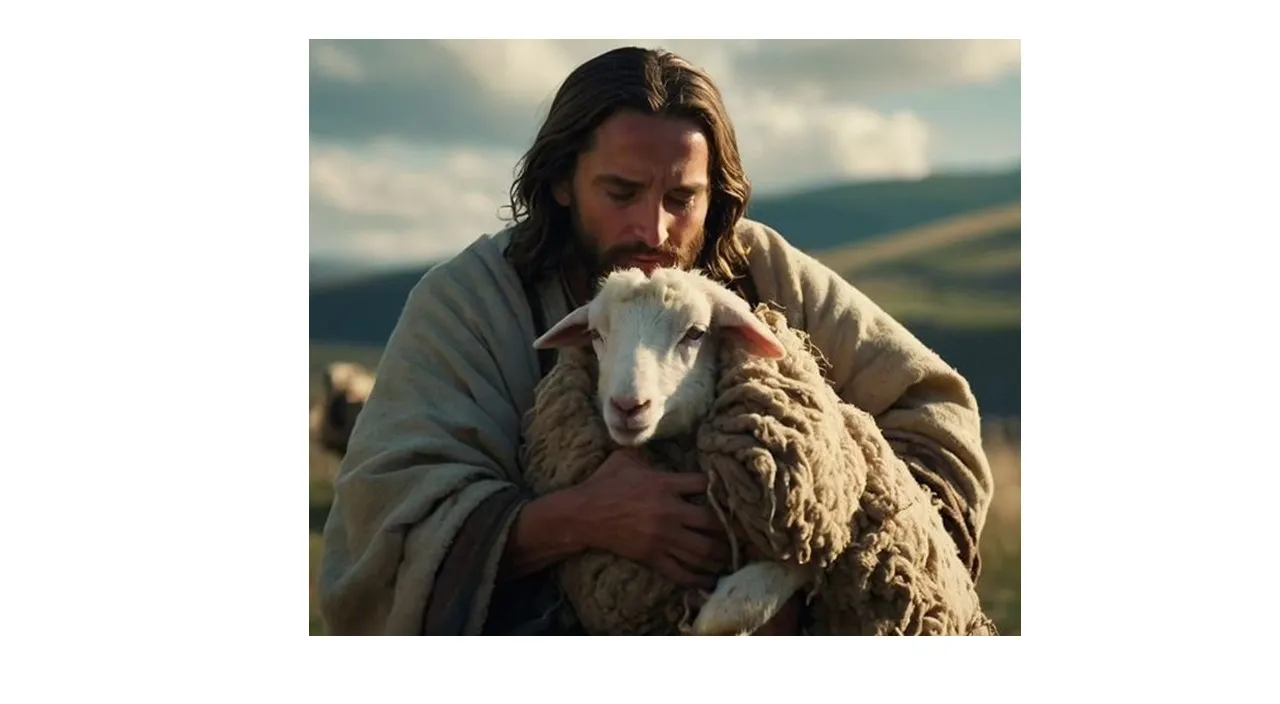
[{"x": 431, "y": 531}]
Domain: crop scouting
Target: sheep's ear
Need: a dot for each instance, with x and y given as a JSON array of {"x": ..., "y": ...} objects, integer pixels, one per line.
[
  {"x": 571, "y": 331},
  {"x": 732, "y": 315}
]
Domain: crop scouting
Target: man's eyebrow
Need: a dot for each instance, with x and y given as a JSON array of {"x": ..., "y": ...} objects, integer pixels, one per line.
[
  {"x": 619, "y": 181},
  {"x": 692, "y": 188}
]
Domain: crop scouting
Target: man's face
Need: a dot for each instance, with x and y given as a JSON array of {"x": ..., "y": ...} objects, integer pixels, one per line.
[{"x": 640, "y": 196}]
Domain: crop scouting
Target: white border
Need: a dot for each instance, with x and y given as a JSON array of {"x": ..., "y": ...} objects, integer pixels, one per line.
[{"x": 156, "y": 263}]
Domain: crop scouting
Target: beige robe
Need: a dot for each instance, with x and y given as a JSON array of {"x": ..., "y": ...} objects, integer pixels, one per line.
[{"x": 430, "y": 484}]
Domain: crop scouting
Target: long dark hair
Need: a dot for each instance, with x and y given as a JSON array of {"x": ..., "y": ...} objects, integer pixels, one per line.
[{"x": 649, "y": 81}]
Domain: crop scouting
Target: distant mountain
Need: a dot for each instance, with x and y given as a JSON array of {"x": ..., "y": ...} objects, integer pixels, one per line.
[
  {"x": 839, "y": 215},
  {"x": 333, "y": 270},
  {"x": 361, "y": 310},
  {"x": 942, "y": 254}
]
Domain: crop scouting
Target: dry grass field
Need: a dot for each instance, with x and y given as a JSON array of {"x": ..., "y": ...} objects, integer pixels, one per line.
[{"x": 1001, "y": 581}]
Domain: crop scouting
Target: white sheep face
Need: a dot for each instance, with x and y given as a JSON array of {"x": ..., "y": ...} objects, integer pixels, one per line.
[
  {"x": 657, "y": 362},
  {"x": 657, "y": 338}
]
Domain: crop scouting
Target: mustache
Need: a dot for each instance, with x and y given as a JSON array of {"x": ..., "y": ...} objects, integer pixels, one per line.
[{"x": 665, "y": 253}]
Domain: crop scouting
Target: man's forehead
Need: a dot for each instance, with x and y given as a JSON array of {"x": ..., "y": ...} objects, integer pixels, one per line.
[
  {"x": 630, "y": 129},
  {"x": 630, "y": 148}
]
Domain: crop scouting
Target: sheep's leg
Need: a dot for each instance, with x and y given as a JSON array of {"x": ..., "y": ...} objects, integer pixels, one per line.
[{"x": 747, "y": 599}]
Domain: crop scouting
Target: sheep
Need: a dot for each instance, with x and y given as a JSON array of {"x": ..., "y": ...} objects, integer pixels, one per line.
[
  {"x": 676, "y": 364},
  {"x": 658, "y": 364},
  {"x": 346, "y": 388},
  {"x": 657, "y": 353}
]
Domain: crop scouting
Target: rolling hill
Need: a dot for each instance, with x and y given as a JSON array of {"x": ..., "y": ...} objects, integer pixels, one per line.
[
  {"x": 942, "y": 254},
  {"x": 836, "y": 216}
]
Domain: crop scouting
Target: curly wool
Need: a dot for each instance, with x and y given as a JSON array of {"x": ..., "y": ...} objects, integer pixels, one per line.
[
  {"x": 781, "y": 466},
  {"x": 794, "y": 474},
  {"x": 902, "y": 574}
]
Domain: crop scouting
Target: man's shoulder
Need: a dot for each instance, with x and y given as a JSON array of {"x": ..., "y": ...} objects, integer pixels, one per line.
[
  {"x": 765, "y": 245},
  {"x": 756, "y": 232},
  {"x": 477, "y": 286},
  {"x": 482, "y": 263}
]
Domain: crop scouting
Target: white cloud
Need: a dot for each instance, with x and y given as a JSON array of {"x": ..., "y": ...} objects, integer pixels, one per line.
[
  {"x": 380, "y": 207},
  {"x": 786, "y": 144},
  {"x": 522, "y": 71},
  {"x": 337, "y": 62},
  {"x": 857, "y": 70}
]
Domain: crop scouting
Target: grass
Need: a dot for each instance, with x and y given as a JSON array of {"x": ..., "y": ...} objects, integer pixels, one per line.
[
  {"x": 912, "y": 300},
  {"x": 317, "y": 546},
  {"x": 996, "y": 260},
  {"x": 959, "y": 272},
  {"x": 923, "y": 240},
  {"x": 1000, "y": 585}
]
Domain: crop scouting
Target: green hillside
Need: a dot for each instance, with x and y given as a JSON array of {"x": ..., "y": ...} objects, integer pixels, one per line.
[
  {"x": 820, "y": 219},
  {"x": 962, "y": 272}
]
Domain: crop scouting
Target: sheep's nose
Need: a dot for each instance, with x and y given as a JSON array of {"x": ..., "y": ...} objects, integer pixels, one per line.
[{"x": 629, "y": 405}]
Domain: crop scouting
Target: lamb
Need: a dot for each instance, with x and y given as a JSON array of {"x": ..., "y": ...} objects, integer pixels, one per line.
[
  {"x": 657, "y": 378},
  {"x": 678, "y": 365},
  {"x": 346, "y": 389}
]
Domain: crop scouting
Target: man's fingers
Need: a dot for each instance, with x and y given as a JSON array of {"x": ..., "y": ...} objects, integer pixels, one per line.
[
  {"x": 701, "y": 552},
  {"x": 700, "y": 518},
  {"x": 705, "y": 566},
  {"x": 681, "y": 575},
  {"x": 685, "y": 483}
]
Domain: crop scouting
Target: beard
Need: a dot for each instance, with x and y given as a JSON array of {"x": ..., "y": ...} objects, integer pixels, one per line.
[{"x": 596, "y": 262}]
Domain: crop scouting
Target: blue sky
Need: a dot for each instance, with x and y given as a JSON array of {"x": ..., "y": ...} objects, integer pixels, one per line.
[{"x": 413, "y": 143}]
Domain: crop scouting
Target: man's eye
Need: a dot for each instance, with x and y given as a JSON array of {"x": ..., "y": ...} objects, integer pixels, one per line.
[{"x": 620, "y": 197}]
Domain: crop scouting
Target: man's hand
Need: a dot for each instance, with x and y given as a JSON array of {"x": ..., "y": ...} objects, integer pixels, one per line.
[{"x": 637, "y": 512}]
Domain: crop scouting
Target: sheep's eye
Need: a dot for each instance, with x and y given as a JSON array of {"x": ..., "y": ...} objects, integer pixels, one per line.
[
  {"x": 694, "y": 334},
  {"x": 595, "y": 335}
]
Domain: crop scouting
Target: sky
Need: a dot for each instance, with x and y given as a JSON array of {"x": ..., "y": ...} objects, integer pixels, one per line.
[{"x": 414, "y": 143}]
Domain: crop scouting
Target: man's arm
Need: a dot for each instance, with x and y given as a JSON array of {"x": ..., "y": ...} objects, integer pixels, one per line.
[
  {"x": 546, "y": 531},
  {"x": 429, "y": 488}
]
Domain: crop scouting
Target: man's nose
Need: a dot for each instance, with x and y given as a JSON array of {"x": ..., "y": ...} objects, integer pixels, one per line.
[
  {"x": 651, "y": 227},
  {"x": 654, "y": 237}
]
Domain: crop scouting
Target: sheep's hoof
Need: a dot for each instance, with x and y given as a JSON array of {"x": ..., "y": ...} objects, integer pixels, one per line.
[
  {"x": 746, "y": 600},
  {"x": 693, "y": 602},
  {"x": 727, "y": 619}
]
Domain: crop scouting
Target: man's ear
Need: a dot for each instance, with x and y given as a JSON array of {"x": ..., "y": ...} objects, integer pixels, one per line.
[
  {"x": 733, "y": 316},
  {"x": 571, "y": 331},
  {"x": 562, "y": 191}
]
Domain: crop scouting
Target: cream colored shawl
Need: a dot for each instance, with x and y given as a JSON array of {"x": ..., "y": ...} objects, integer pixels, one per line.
[{"x": 430, "y": 483}]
